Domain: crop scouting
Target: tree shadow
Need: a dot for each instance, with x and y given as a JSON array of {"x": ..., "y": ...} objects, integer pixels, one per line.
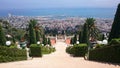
[{"x": 110, "y": 63}]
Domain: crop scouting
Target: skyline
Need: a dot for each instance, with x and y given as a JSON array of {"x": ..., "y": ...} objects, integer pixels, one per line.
[{"x": 38, "y": 4}]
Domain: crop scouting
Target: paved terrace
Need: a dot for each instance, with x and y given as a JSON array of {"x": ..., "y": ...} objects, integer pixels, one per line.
[{"x": 58, "y": 59}]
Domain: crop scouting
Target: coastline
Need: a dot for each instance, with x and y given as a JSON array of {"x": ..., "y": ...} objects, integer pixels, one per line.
[{"x": 69, "y": 12}]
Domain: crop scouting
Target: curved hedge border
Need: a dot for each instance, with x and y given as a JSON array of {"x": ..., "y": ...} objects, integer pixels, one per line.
[
  {"x": 12, "y": 54},
  {"x": 106, "y": 54}
]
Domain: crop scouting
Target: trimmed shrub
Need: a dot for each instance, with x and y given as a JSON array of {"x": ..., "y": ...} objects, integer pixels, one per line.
[
  {"x": 12, "y": 54},
  {"x": 47, "y": 49},
  {"x": 70, "y": 49},
  {"x": 114, "y": 42},
  {"x": 77, "y": 50},
  {"x": 35, "y": 50},
  {"x": 100, "y": 45},
  {"x": 106, "y": 54}
]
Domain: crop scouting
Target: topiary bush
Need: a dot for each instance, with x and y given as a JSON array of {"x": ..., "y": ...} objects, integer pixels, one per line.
[
  {"x": 106, "y": 54},
  {"x": 11, "y": 54},
  {"x": 35, "y": 50},
  {"x": 77, "y": 50}
]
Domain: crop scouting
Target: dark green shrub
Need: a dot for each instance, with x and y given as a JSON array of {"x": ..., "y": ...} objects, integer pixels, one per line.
[
  {"x": 70, "y": 49},
  {"x": 77, "y": 50},
  {"x": 12, "y": 54},
  {"x": 106, "y": 54},
  {"x": 53, "y": 49},
  {"x": 100, "y": 45},
  {"x": 114, "y": 42},
  {"x": 47, "y": 49},
  {"x": 80, "y": 50},
  {"x": 35, "y": 50}
]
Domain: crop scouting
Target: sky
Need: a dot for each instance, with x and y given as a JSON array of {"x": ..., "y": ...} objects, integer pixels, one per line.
[{"x": 36, "y": 4}]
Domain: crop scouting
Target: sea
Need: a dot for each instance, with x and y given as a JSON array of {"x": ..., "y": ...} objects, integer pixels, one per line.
[{"x": 67, "y": 12}]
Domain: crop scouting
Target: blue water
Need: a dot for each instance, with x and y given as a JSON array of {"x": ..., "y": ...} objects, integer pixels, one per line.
[{"x": 80, "y": 12}]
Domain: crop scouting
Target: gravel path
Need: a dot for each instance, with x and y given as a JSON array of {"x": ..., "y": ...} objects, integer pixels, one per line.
[{"x": 58, "y": 59}]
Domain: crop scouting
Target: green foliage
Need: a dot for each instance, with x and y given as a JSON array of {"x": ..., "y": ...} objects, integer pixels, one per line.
[
  {"x": 71, "y": 41},
  {"x": 33, "y": 22},
  {"x": 89, "y": 30},
  {"x": 47, "y": 49},
  {"x": 75, "y": 39},
  {"x": 100, "y": 37},
  {"x": 2, "y": 36},
  {"x": 77, "y": 50},
  {"x": 115, "y": 42},
  {"x": 115, "y": 32},
  {"x": 44, "y": 40},
  {"x": 70, "y": 50},
  {"x": 85, "y": 34},
  {"x": 17, "y": 34},
  {"x": 106, "y": 54},
  {"x": 11, "y": 54},
  {"x": 32, "y": 35},
  {"x": 100, "y": 45},
  {"x": 35, "y": 50},
  {"x": 48, "y": 42},
  {"x": 37, "y": 35},
  {"x": 80, "y": 37}
]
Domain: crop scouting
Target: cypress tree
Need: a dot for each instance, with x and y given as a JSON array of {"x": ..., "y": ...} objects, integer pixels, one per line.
[
  {"x": 44, "y": 40},
  {"x": 85, "y": 34},
  {"x": 115, "y": 31},
  {"x": 80, "y": 36},
  {"x": 32, "y": 35},
  {"x": 71, "y": 41},
  {"x": 37, "y": 35},
  {"x": 75, "y": 39},
  {"x": 49, "y": 41},
  {"x": 2, "y": 36}
]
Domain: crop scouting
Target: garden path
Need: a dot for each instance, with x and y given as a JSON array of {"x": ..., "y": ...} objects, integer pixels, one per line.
[{"x": 58, "y": 59}]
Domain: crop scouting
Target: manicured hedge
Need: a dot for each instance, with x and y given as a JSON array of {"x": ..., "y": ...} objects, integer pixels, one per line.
[
  {"x": 47, "y": 49},
  {"x": 114, "y": 42},
  {"x": 77, "y": 50},
  {"x": 70, "y": 49},
  {"x": 106, "y": 54},
  {"x": 12, "y": 54},
  {"x": 35, "y": 50}
]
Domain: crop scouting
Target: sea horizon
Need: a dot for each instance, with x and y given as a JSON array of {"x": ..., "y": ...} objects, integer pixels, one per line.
[{"x": 73, "y": 12}]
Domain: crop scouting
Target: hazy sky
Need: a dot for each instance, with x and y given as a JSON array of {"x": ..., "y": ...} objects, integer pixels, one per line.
[{"x": 33, "y": 4}]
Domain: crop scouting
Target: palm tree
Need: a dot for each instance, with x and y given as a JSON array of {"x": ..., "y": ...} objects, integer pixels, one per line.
[{"x": 92, "y": 30}]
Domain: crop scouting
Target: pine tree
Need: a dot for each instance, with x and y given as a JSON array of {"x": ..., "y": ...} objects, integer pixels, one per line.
[
  {"x": 2, "y": 36},
  {"x": 32, "y": 35},
  {"x": 115, "y": 31}
]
